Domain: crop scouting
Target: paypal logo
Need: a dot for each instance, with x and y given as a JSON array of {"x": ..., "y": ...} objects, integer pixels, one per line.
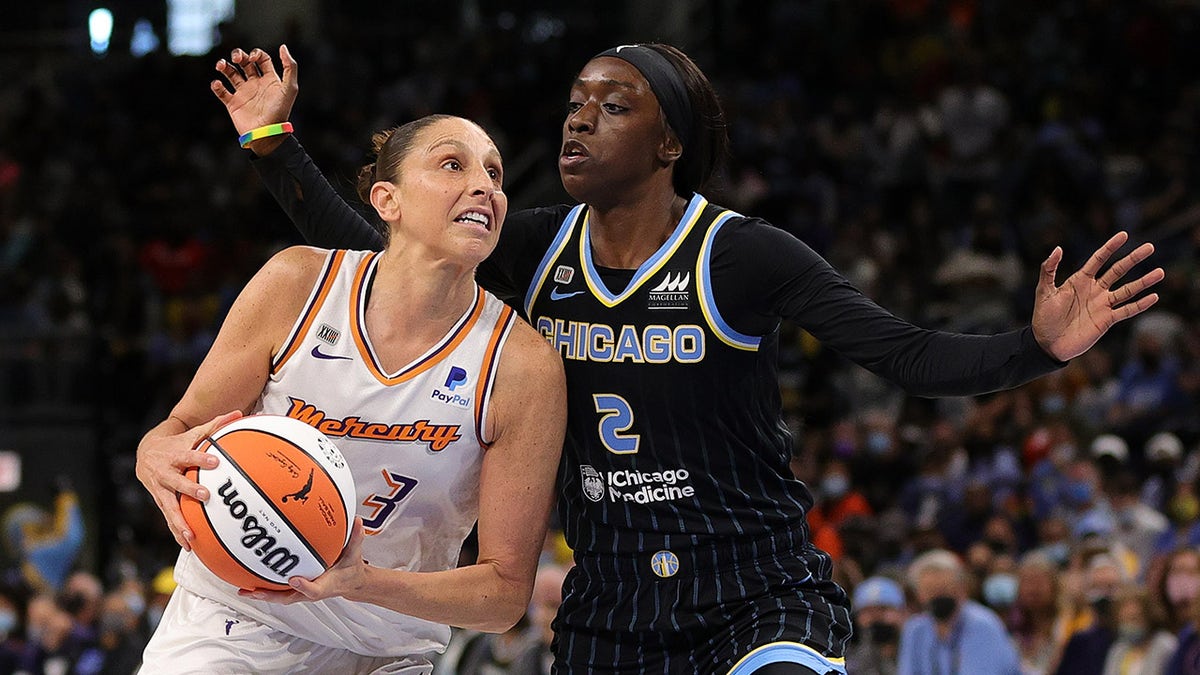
[{"x": 456, "y": 378}]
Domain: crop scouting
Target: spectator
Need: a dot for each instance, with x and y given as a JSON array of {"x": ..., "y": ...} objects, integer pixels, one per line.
[
  {"x": 1142, "y": 647},
  {"x": 1164, "y": 459},
  {"x": 1035, "y": 621},
  {"x": 120, "y": 635},
  {"x": 879, "y": 614},
  {"x": 952, "y": 634},
  {"x": 1087, "y": 649},
  {"x": 1178, "y": 587}
]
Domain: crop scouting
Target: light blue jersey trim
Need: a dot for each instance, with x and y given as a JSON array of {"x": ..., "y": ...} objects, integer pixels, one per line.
[
  {"x": 648, "y": 268},
  {"x": 708, "y": 303},
  {"x": 556, "y": 247}
]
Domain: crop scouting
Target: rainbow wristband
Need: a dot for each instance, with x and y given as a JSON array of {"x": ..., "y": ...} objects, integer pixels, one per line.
[{"x": 263, "y": 132}]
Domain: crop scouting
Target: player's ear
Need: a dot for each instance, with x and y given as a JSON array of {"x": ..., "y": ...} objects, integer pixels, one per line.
[
  {"x": 670, "y": 150},
  {"x": 385, "y": 200}
]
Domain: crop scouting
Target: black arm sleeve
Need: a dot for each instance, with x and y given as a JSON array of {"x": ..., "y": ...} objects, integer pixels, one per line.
[
  {"x": 787, "y": 279},
  {"x": 318, "y": 211}
]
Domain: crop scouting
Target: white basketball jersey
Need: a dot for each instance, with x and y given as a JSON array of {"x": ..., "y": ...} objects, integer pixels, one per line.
[{"x": 413, "y": 438}]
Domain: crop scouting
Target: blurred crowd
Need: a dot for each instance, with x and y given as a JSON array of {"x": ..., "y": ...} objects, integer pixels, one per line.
[{"x": 934, "y": 151}]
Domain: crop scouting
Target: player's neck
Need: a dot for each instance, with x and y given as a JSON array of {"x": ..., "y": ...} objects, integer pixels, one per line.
[{"x": 625, "y": 235}]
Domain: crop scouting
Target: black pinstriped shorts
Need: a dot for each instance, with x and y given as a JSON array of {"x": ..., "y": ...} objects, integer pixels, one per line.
[{"x": 620, "y": 616}]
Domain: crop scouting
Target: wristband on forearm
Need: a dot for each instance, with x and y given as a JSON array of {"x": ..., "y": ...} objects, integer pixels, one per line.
[{"x": 263, "y": 132}]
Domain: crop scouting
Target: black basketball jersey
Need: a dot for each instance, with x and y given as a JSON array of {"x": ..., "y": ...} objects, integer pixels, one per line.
[{"x": 674, "y": 433}]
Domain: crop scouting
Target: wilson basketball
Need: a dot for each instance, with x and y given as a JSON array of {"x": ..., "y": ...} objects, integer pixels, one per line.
[{"x": 281, "y": 502}]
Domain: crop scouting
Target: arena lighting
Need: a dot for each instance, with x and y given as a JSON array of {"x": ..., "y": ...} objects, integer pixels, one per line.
[
  {"x": 100, "y": 25},
  {"x": 144, "y": 39},
  {"x": 192, "y": 25}
]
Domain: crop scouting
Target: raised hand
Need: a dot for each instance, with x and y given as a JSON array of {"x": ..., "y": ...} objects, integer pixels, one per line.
[
  {"x": 1069, "y": 319},
  {"x": 254, "y": 95},
  {"x": 162, "y": 461}
]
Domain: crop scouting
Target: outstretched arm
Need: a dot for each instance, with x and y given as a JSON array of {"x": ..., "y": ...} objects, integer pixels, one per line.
[
  {"x": 255, "y": 96},
  {"x": 793, "y": 281}
]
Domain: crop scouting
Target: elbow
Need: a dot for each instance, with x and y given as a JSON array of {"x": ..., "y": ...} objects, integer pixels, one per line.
[
  {"x": 506, "y": 608},
  {"x": 504, "y": 616}
]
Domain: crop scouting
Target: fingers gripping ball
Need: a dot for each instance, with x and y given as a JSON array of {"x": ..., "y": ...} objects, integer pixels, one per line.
[{"x": 281, "y": 505}]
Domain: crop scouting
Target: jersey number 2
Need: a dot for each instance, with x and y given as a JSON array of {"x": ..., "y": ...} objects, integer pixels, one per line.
[{"x": 616, "y": 417}]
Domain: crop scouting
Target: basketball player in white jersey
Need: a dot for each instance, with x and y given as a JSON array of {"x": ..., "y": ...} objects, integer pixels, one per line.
[{"x": 448, "y": 408}]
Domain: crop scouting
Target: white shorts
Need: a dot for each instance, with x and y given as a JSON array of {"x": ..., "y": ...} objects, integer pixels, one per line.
[{"x": 198, "y": 635}]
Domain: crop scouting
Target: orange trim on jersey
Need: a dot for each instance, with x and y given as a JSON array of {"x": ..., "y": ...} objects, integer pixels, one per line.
[
  {"x": 320, "y": 292},
  {"x": 430, "y": 359},
  {"x": 491, "y": 359}
]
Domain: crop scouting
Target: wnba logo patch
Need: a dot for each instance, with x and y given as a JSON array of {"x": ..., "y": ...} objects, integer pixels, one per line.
[
  {"x": 593, "y": 483},
  {"x": 665, "y": 564},
  {"x": 672, "y": 292}
]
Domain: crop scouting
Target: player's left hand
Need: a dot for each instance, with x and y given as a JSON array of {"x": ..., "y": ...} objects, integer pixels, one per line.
[
  {"x": 346, "y": 575},
  {"x": 1069, "y": 319}
]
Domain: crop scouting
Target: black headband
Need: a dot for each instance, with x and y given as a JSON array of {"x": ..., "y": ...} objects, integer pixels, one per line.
[{"x": 665, "y": 82}]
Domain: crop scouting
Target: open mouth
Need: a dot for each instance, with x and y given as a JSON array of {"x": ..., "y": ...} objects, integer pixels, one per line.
[{"x": 573, "y": 149}]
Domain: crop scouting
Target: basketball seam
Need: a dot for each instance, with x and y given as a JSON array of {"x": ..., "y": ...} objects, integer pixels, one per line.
[
  {"x": 321, "y": 465},
  {"x": 302, "y": 539}
]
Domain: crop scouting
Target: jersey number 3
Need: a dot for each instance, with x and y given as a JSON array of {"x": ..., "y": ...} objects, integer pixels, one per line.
[
  {"x": 616, "y": 417},
  {"x": 385, "y": 502}
]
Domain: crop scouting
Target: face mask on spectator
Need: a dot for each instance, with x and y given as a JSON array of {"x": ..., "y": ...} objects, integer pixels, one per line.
[
  {"x": 883, "y": 632},
  {"x": 1057, "y": 552},
  {"x": 942, "y": 607},
  {"x": 1182, "y": 587},
  {"x": 835, "y": 485},
  {"x": 1101, "y": 604},
  {"x": 111, "y": 623},
  {"x": 878, "y": 442},
  {"x": 1000, "y": 590},
  {"x": 1079, "y": 492},
  {"x": 136, "y": 603},
  {"x": 8, "y": 621},
  {"x": 1131, "y": 632}
]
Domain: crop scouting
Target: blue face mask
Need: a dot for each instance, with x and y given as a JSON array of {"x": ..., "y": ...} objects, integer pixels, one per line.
[
  {"x": 1079, "y": 492},
  {"x": 8, "y": 621},
  {"x": 835, "y": 485},
  {"x": 878, "y": 442},
  {"x": 1057, "y": 552},
  {"x": 135, "y": 602},
  {"x": 1000, "y": 590}
]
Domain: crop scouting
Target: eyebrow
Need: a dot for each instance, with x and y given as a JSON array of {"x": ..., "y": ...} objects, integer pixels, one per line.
[
  {"x": 607, "y": 81},
  {"x": 492, "y": 153}
]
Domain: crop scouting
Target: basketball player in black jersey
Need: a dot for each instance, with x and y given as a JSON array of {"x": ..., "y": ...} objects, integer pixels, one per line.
[{"x": 691, "y": 546}]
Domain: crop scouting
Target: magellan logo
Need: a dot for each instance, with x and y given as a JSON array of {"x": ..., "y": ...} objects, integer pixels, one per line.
[{"x": 672, "y": 292}]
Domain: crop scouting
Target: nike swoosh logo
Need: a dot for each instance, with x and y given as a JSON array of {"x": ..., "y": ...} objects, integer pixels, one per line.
[
  {"x": 555, "y": 295},
  {"x": 317, "y": 353}
]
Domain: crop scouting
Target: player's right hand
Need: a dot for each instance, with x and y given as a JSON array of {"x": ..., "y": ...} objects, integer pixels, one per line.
[
  {"x": 254, "y": 95},
  {"x": 162, "y": 462}
]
